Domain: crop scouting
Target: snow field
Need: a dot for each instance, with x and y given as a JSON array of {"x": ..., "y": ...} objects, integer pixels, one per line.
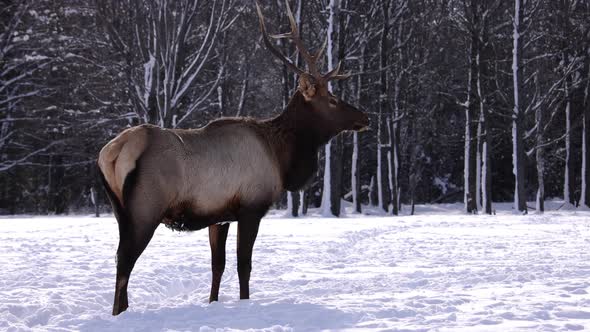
[{"x": 430, "y": 272}]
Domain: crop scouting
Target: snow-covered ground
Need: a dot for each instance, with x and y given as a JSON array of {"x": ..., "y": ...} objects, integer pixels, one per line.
[{"x": 438, "y": 271}]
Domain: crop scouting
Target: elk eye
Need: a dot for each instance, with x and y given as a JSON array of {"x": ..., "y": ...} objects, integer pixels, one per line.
[{"x": 333, "y": 102}]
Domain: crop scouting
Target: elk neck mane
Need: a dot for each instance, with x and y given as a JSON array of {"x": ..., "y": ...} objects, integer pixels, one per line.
[{"x": 295, "y": 139}]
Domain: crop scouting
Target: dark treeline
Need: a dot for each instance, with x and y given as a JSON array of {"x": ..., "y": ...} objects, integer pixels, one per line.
[{"x": 470, "y": 100}]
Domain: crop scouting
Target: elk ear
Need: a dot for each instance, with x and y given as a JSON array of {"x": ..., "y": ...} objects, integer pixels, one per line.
[{"x": 306, "y": 87}]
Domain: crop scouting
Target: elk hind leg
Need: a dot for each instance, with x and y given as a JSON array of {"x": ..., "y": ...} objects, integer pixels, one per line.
[
  {"x": 217, "y": 239},
  {"x": 132, "y": 243}
]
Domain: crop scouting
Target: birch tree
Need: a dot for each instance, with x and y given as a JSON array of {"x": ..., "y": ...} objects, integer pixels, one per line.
[
  {"x": 473, "y": 22},
  {"x": 355, "y": 184},
  {"x": 581, "y": 22},
  {"x": 487, "y": 11},
  {"x": 568, "y": 185},
  {"x": 383, "y": 198},
  {"x": 573, "y": 39},
  {"x": 570, "y": 43},
  {"x": 330, "y": 196},
  {"x": 546, "y": 102},
  {"x": 471, "y": 107},
  {"x": 402, "y": 35},
  {"x": 294, "y": 199}
]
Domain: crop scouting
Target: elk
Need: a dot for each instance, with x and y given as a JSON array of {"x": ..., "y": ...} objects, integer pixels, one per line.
[{"x": 232, "y": 169}]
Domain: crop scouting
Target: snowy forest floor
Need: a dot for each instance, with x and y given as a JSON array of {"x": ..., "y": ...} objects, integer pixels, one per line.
[{"x": 437, "y": 271}]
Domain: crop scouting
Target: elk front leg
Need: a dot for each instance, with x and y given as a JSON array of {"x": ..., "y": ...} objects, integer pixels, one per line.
[
  {"x": 247, "y": 231},
  {"x": 217, "y": 238}
]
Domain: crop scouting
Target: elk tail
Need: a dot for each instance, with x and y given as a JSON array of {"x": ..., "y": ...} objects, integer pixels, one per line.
[{"x": 118, "y": 208}]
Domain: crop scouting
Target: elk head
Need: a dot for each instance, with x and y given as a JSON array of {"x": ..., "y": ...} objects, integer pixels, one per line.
[{"x": 323, "y": 107}]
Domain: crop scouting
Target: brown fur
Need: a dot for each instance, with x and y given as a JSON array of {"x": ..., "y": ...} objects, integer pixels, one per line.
[{"x": 118, "y": 157}]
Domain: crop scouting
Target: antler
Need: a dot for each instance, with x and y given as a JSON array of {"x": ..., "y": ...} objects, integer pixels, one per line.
[
  {"x": 272, "y": 47},
  {"x": 335, "y": 74},
  {"x": 311, "y": 60}
]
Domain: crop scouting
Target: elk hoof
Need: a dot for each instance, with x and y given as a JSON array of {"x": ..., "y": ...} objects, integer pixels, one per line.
[{"x": 117, "y": 309}]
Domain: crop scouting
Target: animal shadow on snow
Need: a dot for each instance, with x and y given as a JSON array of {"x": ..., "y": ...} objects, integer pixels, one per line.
[{"x": 241, "y": 315}]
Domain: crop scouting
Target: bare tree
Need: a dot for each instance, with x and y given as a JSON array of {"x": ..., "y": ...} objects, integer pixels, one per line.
[
  {"x": 166, "y": 46},
  {"x": 331, "y": 202},
  {"x": 294, "y": 199},
  {"x": 20, "y": 61},
  {"x": 361, "y": 38}
]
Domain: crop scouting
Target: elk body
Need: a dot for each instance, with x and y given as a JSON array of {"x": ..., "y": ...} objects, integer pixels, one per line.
[{"x": 233, "y": 169}]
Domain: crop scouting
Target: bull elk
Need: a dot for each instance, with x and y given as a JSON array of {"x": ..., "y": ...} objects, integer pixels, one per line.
[{"x": 232, "y": 169}]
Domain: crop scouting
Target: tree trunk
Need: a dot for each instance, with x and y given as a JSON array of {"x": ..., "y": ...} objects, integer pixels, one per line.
[
  {"x": 470, "y": 157},
  {"x": 391, "y": 167},
  {"x": 414, "y": 175},
  {"x": 540, "y": 159},
  {"x": 59, "y": 199},
  {"x": 478, "y": 163},
  {"x": 484, "y": 166},
  {"x": 338, "y": 89},
  {"x": 518, "y": 154},
  {"x": 568, "y": 198},
  {"x": 336, "y": 175},
  {"x": 487, "y": 169},
  {"x": 393, "y": 160},
  {"x": 292, "y": 202},
  {"x": 479, "y": 141},
  {"x": 290, "y": 83},
  {"x": 394, "y": 133},
  {"x": 585, "y": 174},
  {"x": 328, "y": 201},
  {"x": 584, "y": 199},
  {"x": 396, "y": 159},
  {"x": 373, "y": 194},
  {"x": 381, "y": 179},
  {"x": 355, "y": 184},
  {"x": 244, "y": 89},
  {"x": 540, "y": 206},
  {"x": 355, "y": 174}
]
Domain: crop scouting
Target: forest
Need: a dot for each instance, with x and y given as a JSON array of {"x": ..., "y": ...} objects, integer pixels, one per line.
[{"x": 473, "y": 101}]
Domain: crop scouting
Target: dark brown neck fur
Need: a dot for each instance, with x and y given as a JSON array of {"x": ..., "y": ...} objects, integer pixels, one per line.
[{"x": 296, "y": 138}]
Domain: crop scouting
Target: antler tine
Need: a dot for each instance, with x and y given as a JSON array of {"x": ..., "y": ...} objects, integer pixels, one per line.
[
  {"x": 320, "y": 54},
  {"x": 272, "y": 47},
  {"x": 340, "y": 77},
  {"x": 319, "y": 57},
  {"x": 334, "y": 75},
  {"x": 286, "y": 35},
  {"x": 312, "y": 60},
  {"x": 294, "y": 35},
  {"x": 292, "y": 20}
]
